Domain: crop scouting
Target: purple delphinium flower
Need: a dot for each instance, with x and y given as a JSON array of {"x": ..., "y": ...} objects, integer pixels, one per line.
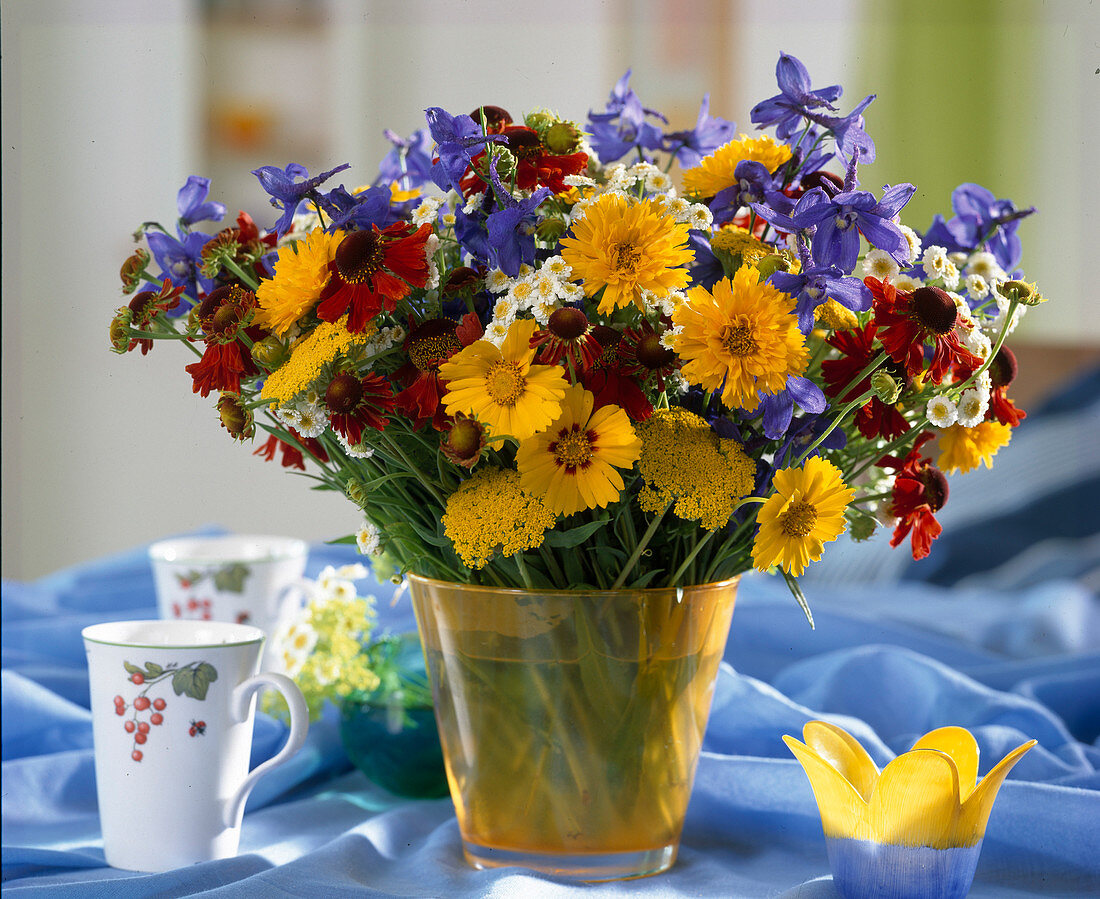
[
  {"x": 181, "y": 260},
  {"x": 980, "y": 217},
  {"x": 455, "y": 137},
  {"x": 754, "y": 184},
  {"x": 409, "y": 162},
  {"x": 192, "y": 204},
  {"x": 706, "y": 270},
  {"x": 710, "y": 133},
  {"x": 838, "y": 221},
  {"x": 287, "y": 193},
  {"x": 364, "y": 209},
  {"x": 511, "y": 239},
  {"x": 622, "y": 126},
  {"x": 804, "y": 431},
  {"x": 787, "y": 108},
  {"x": 813, "y": 286},
  {"x": 778, "y": 408}
]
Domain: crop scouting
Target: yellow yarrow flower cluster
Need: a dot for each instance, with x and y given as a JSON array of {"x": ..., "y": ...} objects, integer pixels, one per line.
[
  {"x": 963, "y": 449},
  {"x": 716, "y": 171},
  {"x": 684, "y": 462},
  {"x": 491, "y": 513},
  {"x": 740, "y": 241},
  {"x": 323, "y": 346},
  {"x": 301, "y": 273},
  {"x": 832, "y": 315}
]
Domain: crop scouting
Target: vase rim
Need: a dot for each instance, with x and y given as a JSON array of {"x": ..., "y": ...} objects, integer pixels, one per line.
[{"x": 558, "y": 591}]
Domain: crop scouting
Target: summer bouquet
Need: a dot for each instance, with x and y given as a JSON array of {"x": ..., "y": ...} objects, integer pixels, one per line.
[
  {"x": 608, "y": 358},
  {"x": 523, "y": 339}
]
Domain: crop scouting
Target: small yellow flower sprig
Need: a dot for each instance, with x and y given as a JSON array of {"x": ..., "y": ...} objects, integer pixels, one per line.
[{"x": 324, "y": 650}]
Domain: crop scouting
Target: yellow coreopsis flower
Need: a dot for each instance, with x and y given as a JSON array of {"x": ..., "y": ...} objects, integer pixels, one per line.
[
  {"x": 805, "y": 512},
  {"x": 963, "y": 449},
  {"x": 501, "y": 388},
  {"x": 716, "y": 171},
  {"x": 301, "y": 273},
  {"x": 929, "y": 796},
  {"x": 572, "y": 464},
  {"x": 625, "y": 246},
  {"x": 741, "y": 336}
]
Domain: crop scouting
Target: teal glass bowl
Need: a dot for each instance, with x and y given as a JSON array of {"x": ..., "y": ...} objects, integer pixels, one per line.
[{"x": 394, "y": 742}]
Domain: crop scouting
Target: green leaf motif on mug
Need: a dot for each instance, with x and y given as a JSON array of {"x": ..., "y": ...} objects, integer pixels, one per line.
[
  {"x": 231, "y": 578},
  {"x": 195, "y": 681}
]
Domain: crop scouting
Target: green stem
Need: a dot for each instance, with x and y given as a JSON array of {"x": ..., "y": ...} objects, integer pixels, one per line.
[
  {"x": 856, "y": 403},
  {"x": 248, "y": 279},
  {"x": 642, "y": 544}
]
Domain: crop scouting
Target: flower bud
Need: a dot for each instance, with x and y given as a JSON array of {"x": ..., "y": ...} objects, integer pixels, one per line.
[
  {"x": 772, "y": 263},
  {"x": 495, "y": 117},
  {"x": 119, "y": 330},
  {"x": 356, "y": 491},
  {"x": 1021, "y": 292},
  {"x": 269, "y": 353},
  {"x": 464, "y": 442},
  {"x": 562, "y": 138},
  {"x": 862, "y": 528},
  {"x": 133, "y": 269},
  {"x": 550, "y": 229},
  {"x": 235, "y": 417},
  {"x": 886, "y": 388}
]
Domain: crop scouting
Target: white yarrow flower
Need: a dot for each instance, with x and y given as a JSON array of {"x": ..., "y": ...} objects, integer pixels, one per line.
[
  {"x": 941, "y": 411},
  {"x": 934, "y": 261},
  {"x": 473, "y": 202},
  {"x": 658, "y": 182},
  {"x": 359, "y": 450},
  {"x": 496, "y": 332},
  {"x": 579, "y": 181},
  {"x": 972, "y": 408},
  {"x": 700, "y": 217},
  {"x": 505, "y": 308},
  {"x": 557, "y": 267},
  {"x": 312, "y": 420}
]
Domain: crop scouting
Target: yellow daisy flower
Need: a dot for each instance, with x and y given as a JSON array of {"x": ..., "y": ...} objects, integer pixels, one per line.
[
  {"x": 625, "y": 246},
  {"x": 963, "y": 449},
  {"x": 491, "y": 513},
  {"x": 301, "y": 273},
  {"x": 805, "y": 512},
  {"x": 715, "y": 172},
  {"x": 501, "y": 388},
  {"x": 742, "y": 333},
  {"x": 571, "y": 465}
]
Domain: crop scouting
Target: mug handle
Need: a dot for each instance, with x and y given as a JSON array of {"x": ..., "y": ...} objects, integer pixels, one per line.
[
  {"x": 297, "y": 593},
  {"x": 240, "y": 708}
]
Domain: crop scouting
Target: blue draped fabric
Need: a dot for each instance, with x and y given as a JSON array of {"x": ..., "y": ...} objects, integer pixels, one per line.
[{"x": 1003, "y": 640}]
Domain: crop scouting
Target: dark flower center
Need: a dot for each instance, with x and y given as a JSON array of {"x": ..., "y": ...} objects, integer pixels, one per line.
[
  {"x": 651, "y": 353},
  {"x": 567, "y": 323},
  {"x": 344, "y": 393},
  {"x": 935, "y": 487},
  {"x": 461, "y": 278},
  {"x": 432, "y": 343},
  {"x": 1002, "y": 371},
  {"x": 608, "y": 338},
  {"x": 573, "y": 449},
  {"x": 827, "y": 181},
  {"x": 524, "y": 143},
  {"x": 465, "y": 438},
  {"x": 140, "y": 301},
  {"x": 495, "y": 117},
  {"x": 934, "y": 309},
  {"x": 359, "y": 256}
]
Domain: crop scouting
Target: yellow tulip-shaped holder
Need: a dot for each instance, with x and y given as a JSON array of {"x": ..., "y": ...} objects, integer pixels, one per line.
[{"x": 913, "y": 831}]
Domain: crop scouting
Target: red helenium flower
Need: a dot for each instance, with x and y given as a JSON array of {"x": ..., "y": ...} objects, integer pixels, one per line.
[
  {"x": 355, "y": 403},
  {"x": 907, "y": 320},
  {"x": 536, "y": 166},
  {"x": 292, "y": 456},
  {"x": 609, "y": 382},
  {"x": 874, "y": 418},
  {"x": 567, "y": 335},
  {"x": 225, "y": 315},
  {"x": 428, "y": 345},
  {"x": 920, "y": 490},
  {"x": 146, "y": 306},
  {"x": 371, "y": 271}
]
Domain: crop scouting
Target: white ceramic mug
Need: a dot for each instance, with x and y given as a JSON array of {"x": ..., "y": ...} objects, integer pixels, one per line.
[
  {"x": 245, "y": 579},
  {"x": 173, "y": 706}
]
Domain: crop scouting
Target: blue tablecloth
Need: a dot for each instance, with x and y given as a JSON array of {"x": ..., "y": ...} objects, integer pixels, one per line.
[{"x": 1005, "y": 643}]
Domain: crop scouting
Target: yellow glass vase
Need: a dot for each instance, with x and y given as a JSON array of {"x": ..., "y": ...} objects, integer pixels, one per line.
[{"x": 571, "y": 721}]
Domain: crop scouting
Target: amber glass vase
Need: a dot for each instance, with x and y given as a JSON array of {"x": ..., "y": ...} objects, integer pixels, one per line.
[{"x": 571, "y": 721}]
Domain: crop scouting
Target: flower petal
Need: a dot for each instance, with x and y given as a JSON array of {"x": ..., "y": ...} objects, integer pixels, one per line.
[
  {"x": 975, "y": 811},
  {"x": 844, "y": 752},
  {"x": 843, "y": 811},
  {"x": 960, "y": 744}
]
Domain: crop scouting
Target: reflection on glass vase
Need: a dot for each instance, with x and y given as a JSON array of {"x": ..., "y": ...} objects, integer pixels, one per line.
[{"x": 571, "y": 721}]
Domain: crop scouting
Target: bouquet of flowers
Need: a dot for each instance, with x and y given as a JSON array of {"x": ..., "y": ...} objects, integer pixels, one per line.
[{"x": 535, "y": 354}]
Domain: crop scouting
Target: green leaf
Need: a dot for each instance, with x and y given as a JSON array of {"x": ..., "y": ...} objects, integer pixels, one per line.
[
  {"x": 132, "y": 669},
  {"x": 205, "y": 675},
  {"x": 183, "y": 681},
  {"x": 232, "y": 577},
  {"x": 349, "y": 539},
  {"x": 792, "y": 583},
  {"x": 152, "y": 669},
  {"x": 195, "y": 680},
  {"x": 574, "y": 536},
  {"x": 644, "y": 580}
]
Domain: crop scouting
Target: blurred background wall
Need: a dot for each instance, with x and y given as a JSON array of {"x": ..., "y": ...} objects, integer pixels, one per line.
[{"x": 107, "y": 108}]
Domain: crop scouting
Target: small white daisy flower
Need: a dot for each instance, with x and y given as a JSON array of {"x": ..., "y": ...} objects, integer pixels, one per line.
[
  {"x": 543, "y": 308},
  {"x": 505, "y": 308},
  {"x": 976, "y": 286},
  {"x": 959, "y": 259},
  {"x": 679, "y": 208},
  {"x": 497, "y": 282},
  {"x": 640, "y": 171},
  {"x": 671, "y": 301},
  {"x": 972, "y": 408},
  {"x": 496, "y": 332},
  {"x": 570, "y": 291},
  {"x": 557, "y": 267},
  {"x": 545, "y": 285},
  {"x": 906, "y": 283},
  {"x": 619, "y": 177},
  {"x": 950, "y": 275},
  {"x": 289, "y": 416},
  {"x": 425, "y": 213},
  {"x": 473, "y": 202},
  {"x": 369, "y": 539},
  {"x": 668, "y": 339},
  {"x": 913, "y": 240},
  {"x": 975, "y": 341},
  {"x": 880, "y": 264},
  {"x": 522, "y": 293},
  {"x": 431, "y": 246},
  {"x": 355, "y": 450},
  {"x": 984, "y": 264},
  {"x": 579, "y": 181},
  {"x": 312, "y": 420},
  {"x": 658, "y": 182},
  {"x": 700, "y": 217},
  {"x": 941, "y": 411},
  {"x": 293, "y": 644},
  {"x": 934, "y": 261}
]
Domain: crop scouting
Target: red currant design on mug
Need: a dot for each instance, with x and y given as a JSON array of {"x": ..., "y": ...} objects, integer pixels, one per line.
[{"x": 148, "y": 712}]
